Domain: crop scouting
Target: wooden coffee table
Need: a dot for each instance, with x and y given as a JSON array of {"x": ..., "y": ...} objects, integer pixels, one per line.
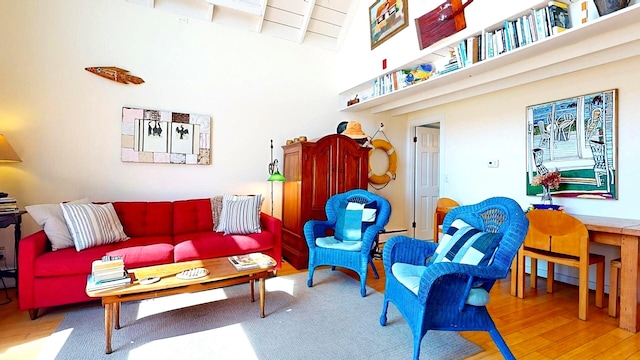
[{"x": 221, "y": 274}]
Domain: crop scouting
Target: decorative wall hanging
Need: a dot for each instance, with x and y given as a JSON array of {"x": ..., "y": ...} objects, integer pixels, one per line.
[
  {"x": 387, "y": 18},
  {"x": 154, "y": 136},
  {"x": 115, "y": 74},
  {"x": 380, "y": 180},
  {"x": 576, "y": 136},
  {"x": 441, "y": 22}
]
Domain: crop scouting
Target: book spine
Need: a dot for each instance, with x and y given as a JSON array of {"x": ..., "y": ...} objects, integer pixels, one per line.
[
  {"x": 472, "y": 50},
  {"x": 540, "y": 23},
  {"x": 547, "y": 22},
  {"x": 500, "y": 43},
  {"x": 532, "y": 25}
]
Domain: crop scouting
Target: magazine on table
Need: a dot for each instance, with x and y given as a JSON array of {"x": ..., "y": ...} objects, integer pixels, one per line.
[{"x": 251, "y": 261}]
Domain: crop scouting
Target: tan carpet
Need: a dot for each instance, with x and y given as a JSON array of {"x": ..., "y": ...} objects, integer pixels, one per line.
[{"x": 328, "y": 321}]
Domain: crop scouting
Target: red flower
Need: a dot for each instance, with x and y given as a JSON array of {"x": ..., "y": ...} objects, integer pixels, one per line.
[{"x": 549, "y": 180}]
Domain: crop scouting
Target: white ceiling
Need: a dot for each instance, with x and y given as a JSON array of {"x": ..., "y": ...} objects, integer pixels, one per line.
[{"x": 315, "y": 22}]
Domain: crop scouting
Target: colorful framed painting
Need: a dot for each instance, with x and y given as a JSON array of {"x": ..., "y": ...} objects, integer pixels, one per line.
[
  {"x": 578, "y": 137},
  {"x": 154, "y": 136},
  {"x": 387, "y": 18}
]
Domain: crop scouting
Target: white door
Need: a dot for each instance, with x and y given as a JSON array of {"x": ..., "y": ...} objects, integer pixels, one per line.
[{"x": 427, "y": 181}]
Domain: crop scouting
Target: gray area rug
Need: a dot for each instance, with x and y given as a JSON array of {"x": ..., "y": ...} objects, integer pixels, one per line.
[{"x": 328, "y": 321}]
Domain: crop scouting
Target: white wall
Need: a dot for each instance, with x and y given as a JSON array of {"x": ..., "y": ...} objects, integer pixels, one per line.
[{"x": 64, "y": 122}]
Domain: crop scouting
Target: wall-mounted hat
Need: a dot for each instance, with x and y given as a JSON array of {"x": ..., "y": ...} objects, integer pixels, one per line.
[{"x": 354, "y": 130}]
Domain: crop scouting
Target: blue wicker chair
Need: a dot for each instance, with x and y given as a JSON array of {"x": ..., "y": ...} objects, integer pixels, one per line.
[
  {"x": 451, "y": 296},
  {"x": 354, "y": 255}
]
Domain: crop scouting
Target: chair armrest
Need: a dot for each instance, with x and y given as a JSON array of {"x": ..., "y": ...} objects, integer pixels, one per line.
[
  {"x": 314, "y": 229},
  {"x": 274, "y": 226},
  {"x": 407, "y": 250},
  {"x": 462, "y": 273},
  {"x": 369, "y": 236}
]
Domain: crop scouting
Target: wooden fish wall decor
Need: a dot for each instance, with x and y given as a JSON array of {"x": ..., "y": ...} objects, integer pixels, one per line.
[{"x": 115, "y": 74}]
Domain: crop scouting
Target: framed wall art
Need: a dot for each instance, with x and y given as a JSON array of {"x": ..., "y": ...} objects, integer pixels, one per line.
[
  {"x": 154, "y": 136},
  {"x": 577, "y": 136},
  {"x": 387, "y": 18}
]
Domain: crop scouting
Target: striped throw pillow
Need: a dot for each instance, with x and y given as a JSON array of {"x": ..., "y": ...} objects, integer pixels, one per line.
[
  {"x": 240, "y": 214},
  {"x": 465, "y": 244},
  {"x": 92, "y": 224}
]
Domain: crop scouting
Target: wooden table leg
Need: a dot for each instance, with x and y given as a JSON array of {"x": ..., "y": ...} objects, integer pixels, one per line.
[
  {"x": 108, "y": 325},
  {"x": 116, "y": 315},
  {"x": 514, "y": 276},
  {"x": 262, "y": 295},
  {"x": 251, "y": 285},
  {"x": 629, "y": 283}
]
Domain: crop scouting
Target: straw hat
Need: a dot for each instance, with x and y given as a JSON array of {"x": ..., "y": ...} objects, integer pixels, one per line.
[{"x": 354, "y": 131}]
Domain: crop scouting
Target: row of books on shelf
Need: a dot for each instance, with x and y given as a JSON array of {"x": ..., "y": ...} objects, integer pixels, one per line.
[
  {"x": 106, "y": 273},
  {"x": 538, "y": 24},
  {"x": 388, "y": 83},
  {"x": 8, "y": 205},
  {"x": 529, "y": 28}
]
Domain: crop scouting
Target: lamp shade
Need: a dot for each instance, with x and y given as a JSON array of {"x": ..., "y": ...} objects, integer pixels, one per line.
[
  {"x": 7, "y": 154},
  {"x": 276, "y": 176}
]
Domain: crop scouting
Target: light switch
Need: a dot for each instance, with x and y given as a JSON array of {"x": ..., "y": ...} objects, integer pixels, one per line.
[{"x": 494, "y": 163}]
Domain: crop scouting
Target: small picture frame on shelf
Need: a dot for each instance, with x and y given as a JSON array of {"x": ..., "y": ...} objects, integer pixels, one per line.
[{"x": 387, "y": 18}]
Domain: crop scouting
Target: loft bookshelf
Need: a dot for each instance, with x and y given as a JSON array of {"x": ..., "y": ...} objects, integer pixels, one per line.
[{"x": 599, "y": 41}]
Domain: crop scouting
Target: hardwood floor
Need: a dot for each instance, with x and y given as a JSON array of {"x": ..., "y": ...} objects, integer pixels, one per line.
[{"x": 540, "y": 326}]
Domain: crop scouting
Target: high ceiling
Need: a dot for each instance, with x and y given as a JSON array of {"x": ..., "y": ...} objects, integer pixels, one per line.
[{"x": 314, "y": 22}]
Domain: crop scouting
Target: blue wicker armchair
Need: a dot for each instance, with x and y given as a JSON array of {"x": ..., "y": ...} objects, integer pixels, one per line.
[
  {"x": 353, "y": 253},
  {"x": 434, "y": 293}
]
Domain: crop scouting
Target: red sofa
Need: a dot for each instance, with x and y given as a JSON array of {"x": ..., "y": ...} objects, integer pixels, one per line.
[{"x": 160, "y": 233}]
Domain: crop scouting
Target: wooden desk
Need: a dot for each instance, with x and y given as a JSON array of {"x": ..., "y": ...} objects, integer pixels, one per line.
[{"x": 624, "y": 233}]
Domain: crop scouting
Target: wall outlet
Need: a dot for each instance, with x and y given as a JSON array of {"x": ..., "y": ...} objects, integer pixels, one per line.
[
  {"x": 493, "y": 163},
  {"x": 1, "y": 252}
]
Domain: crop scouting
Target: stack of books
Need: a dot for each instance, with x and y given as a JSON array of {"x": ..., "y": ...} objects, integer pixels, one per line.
[
  {"x": 8, "y": 205},
  {"x": 106, "y": 273}
]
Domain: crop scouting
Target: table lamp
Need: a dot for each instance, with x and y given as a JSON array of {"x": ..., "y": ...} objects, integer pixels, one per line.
[
  {"x": 7, "y": 154},
  {"x": 274, "y": 174}
]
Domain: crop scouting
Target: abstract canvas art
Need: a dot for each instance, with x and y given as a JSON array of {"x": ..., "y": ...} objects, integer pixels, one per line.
[
  {"x": 156, "y": 136},
  {"x": 577, "y": 136}
]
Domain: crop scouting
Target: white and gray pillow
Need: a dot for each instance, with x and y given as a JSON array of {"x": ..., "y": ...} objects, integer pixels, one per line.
[
  {"x": 93, "y": 224},
  {"x": 50, "y": 218}
]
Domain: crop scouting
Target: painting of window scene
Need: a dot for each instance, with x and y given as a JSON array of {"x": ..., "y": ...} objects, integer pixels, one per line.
[
  {"x": 155, "y": 136},
  {"x": 576, "y": 136},
  {"x": 386, "y": 18}
]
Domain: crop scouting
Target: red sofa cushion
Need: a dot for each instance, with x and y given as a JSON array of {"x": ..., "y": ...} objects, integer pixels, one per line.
[
  {"x": 140, "y": 219},
  {"x": 192, "y": 216},
  {"x": 211, "y": 244},
  {"x": 138, "y": 252}
]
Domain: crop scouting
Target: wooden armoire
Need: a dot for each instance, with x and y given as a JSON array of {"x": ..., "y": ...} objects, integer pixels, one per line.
[{"x": 316, "y": 170}]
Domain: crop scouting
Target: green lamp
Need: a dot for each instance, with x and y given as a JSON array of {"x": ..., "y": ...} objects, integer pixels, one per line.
[{"x": 274, "y": 174}]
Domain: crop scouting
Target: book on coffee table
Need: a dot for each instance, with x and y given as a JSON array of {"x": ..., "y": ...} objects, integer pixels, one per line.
[
  {"x": 251, "y": 261},
  {"x": 93, "y": 285}
]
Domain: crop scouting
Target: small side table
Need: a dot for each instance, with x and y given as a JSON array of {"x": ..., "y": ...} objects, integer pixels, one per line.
[{"x": 14, "y": 219}]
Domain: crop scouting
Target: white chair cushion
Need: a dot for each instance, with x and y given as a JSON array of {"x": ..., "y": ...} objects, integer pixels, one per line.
[
  {"x": 409, "y": 276},
  {"x": 330, "y": 242}
]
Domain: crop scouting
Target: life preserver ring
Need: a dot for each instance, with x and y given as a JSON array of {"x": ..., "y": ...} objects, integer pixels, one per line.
[{"x": 390, "y": 174}]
